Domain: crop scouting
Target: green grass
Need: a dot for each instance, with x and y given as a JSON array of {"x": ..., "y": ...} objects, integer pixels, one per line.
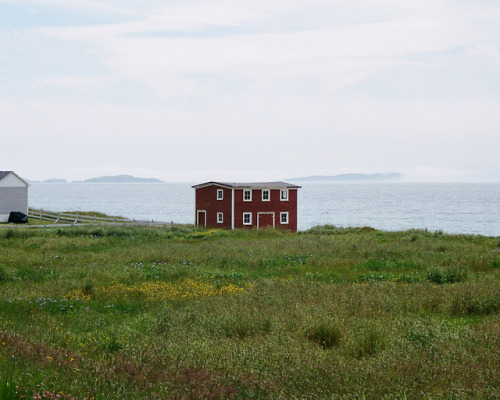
[{"x": 180, "y": 313}]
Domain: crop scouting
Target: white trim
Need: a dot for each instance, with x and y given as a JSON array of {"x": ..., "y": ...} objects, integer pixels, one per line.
[
  {"x": 263, "y": 213},
  {"x": 221, "y": 192},
  {"x": 247, "y": 191},
  {"x": 232, "y": 209},
  {"x": 247, "y": 223},
  {"x": 287, "y": 218},
  {"x": 220, "y": 218},
  {"x": 287, "y": 195},
  {"x": 198, "y": 217},
  {"x": 268, "y": 191},
  {"x": 195, "y": 209},
  {"x": 249, "y": 185}
]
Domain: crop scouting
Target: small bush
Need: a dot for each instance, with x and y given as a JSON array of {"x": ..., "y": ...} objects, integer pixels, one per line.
[
  {"x": 372, "y": 277},
  {"x": 446, "y": 275},
  {"x": 374, "y": 264},
  {"x": 88, "y": 288},
  {"x": 420, "y": 336},
  {"x": 475, "y": 304},
  {"x": 237, "y": 328},
  {"x": 3, "y": 274},
  {"x": 325, "y": 334},
  {"x": 36, "y": 274},
  {"x": 8, "y": 388},
  {"x": 403, "y": 278},
  {"x": 367, "y": 343},
  {"x": 110, "y": 344},
  {"x": 326, "y": 277},
  {"x": 10, "y": 234}
]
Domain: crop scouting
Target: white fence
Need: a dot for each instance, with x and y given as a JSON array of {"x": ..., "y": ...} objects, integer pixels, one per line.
[{"x": 61, "y": 218}]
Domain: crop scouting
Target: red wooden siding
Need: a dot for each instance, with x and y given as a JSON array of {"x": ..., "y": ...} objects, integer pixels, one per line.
[
  {"x": 264, "y": 213},
  {"x": 206, "y": 199},
  {"x": 275, "y": 205}
]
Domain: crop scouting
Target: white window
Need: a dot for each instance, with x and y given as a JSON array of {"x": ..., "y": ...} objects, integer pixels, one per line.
[
  {"x": 284, "y": 195},
  {"x": 247, "y": 195},
  {"x": 284, "y": 218},
  {"x": 247, "y": 218},
  {"x": 220, "y": 194},
  {"x": 266, "y": 195},
  {"x": 220, "y": 218}
]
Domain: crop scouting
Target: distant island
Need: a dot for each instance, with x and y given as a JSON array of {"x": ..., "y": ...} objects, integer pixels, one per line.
[
  {"x": 48, "y": 181},
  {"x": 55, "y": 181},
  {"x": 122, "y": 179},
  {"x": 105, "y": 179},
  {"x": 351, "y": 177}
]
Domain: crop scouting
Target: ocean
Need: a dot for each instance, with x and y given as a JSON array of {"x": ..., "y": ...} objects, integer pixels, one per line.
[{"x": 460, "y": 208}]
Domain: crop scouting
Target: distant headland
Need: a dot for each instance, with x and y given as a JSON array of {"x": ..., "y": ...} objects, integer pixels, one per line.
[
  {"x": 122, "y": 179},
  {"x": 392, "y": 176},
  {"x": 106, "y": 179}
]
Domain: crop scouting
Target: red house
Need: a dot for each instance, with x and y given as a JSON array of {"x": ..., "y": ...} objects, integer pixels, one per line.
[{"x": 251, "y": 205}]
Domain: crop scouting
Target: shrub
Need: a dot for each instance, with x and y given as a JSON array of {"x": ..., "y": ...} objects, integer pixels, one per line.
[
  {"x": 8, "y": 388},
  {"x": 372, "y": 277},
  {"x": 475, "y": 304},
  {"x": 446, "y": 275},
  {"x": 367, "y": 343},
  {"x": 420, "y": 336},
  {"x": 325, "y": 334},
  {"x": 374, "y": 264},
  {"x": 10, "y": 234},
  {"x": 327, "y": 277},
  {"x": 237, "y": 327},
  {"x": 88, "y": 288},
  {"x": 403, "y": 278},
  {"x": 3, "y": 274},
  {"x": 36, "y": 273}
]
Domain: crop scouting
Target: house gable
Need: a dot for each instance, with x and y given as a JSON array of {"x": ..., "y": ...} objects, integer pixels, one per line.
[{"x": 11, "y": 179}]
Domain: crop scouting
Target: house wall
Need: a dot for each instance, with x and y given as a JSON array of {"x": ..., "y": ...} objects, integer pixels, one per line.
[
  {"x": 12, "y": 199},
  {"x": 206, "y": 199},
  {"x": 275, "y": 205}
]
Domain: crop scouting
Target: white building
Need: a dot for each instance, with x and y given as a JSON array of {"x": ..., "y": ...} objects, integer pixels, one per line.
[{"x": 13, "y": 194}]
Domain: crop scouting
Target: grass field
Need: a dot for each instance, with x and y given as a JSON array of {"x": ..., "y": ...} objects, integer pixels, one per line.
[{"x": 177, "y": 313}]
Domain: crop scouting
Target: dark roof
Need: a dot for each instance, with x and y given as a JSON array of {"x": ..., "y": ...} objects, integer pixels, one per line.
[
  {"x": 250, "y": 185},
  {"x": 3, "y": 174}
]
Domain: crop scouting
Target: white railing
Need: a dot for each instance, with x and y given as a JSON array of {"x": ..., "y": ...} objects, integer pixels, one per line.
[{"x": 73, "y": 219}]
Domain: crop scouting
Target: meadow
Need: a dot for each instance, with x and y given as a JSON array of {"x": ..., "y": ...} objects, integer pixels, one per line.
[{"x": 179, "y": 313}]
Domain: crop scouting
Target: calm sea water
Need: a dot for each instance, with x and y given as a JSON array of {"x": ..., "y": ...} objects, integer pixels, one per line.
[{"x": 453, "y": 208}]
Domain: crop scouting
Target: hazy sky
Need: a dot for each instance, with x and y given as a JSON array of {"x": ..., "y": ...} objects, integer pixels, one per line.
[{"x": 197, "y": 90}]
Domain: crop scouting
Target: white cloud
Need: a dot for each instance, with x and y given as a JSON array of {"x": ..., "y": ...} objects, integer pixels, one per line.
[
  {"x": 88, "y": 7},
  {"x": 335, "y": 57},
  {"x": 484, "y": 52},
  {"x": 202, "y": 85}
]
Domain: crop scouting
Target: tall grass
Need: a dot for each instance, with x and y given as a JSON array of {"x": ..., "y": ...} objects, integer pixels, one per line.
[{"x": 139, "y": 313}]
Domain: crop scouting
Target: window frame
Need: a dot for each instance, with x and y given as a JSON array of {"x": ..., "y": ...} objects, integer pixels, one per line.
[
  {"x": 245, "y": 191},
  {"x": 268, "y": 191},
  {"x": 220, "y": 194},
  {"x": 220, "y": 218},
  {"x": 286, "y": 215},
  {"x": 284, "y": 194},
  {"x": 249, "y": 214}
]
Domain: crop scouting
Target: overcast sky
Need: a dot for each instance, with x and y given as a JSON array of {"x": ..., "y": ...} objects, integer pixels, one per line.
[{"x": 254, "y": 90}]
